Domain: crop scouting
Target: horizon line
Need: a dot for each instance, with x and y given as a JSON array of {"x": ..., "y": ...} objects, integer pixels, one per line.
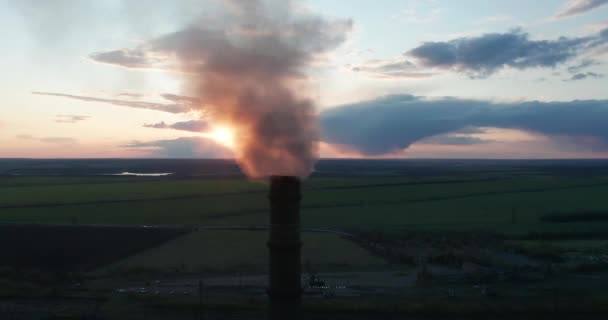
[{"x": 362, "y": 159}]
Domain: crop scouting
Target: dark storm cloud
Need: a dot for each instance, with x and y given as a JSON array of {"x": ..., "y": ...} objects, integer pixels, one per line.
[
  {"x": 193, "y": 126},
  {"x": 171, "y": 108},
  {"x": 185, "y": 147},
  {"x": 70, "y": 118},
  {"x": 395, "y": 122},
  {"x": 484, "y": 55},
  {"x": 585, "y": 75},
  {"x": 576, "y": 7}
]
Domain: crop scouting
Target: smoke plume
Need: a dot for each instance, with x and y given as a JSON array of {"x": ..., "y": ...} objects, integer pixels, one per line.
[{"x": 248, "y": 68}]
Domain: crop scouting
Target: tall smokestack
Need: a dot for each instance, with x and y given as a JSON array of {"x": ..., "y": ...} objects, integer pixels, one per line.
[{"x": 284, "y": 245}]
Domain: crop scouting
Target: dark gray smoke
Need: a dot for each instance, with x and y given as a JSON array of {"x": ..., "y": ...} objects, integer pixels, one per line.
[{"x": 248, "y": 70}]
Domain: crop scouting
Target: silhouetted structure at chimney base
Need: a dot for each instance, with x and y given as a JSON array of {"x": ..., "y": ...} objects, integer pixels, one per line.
[{"x": 284, "y": 245}]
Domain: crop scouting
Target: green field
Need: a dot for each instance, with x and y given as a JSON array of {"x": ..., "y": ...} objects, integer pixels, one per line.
[
  {"x": 506, "y": 204},
  {"x": 514, "y": 204},
  {"x": 244, "y": 251},
  {"x": 387, "y": 222}
]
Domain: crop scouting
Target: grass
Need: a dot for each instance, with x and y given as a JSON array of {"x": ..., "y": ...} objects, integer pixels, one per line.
[
  {"x": 576, "y": 217},
  {"x": 511, "y": 206},
  {"x": 500, "y": 201},
  {"x": 78, "y": 192},
  {"x": 75, "y": 248},
  {"x": 232, "y": 251},
  {"x": 506, "y": 205},
  {"x": 560, "y": 247}
]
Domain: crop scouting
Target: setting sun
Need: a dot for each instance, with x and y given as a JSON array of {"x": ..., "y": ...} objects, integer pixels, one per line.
[
  {"x": 294, "y": 159},
  {"x": 223, "y": 135}
]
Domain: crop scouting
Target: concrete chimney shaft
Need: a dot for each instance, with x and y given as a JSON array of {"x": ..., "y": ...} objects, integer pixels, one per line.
[{"x": 284, "y": 287}]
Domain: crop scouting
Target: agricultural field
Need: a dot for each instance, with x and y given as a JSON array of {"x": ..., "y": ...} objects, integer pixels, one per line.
[
  {"x": 75, "y": 248},
  {"x": 382, "y": 229},
  {"x": 245, "y": 252},
  {"x": 504, "y": 200}
]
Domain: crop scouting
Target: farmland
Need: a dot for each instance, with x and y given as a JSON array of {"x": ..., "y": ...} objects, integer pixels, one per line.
[
  {"x": 498, "y": 201},
  {"x": 75, "y": 248},
  {"x": 520, "y": 200},
  {"x": 245, "y": 252},
  {"x": 366, "y": 223}
]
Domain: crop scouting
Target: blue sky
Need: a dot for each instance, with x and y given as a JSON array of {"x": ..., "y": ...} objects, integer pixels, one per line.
[{"x": 48, "y": 48}]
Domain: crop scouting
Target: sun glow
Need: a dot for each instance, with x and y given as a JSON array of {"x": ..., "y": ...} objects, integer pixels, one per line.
[{"x": 223, "y": 135}]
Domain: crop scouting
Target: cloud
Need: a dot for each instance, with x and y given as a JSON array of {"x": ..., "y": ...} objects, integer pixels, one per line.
[
  {"x": 193, "y": 125},
  {"x": 181, "y": 99},
  {"x": 582, "y": 65},
  {"x": 131, "y": 95},
  {"x": 171, "y": 108},
  {"x": 597, "y": 27},
  {"x": 585, "y": 75},
  {"x": 185, "y": 147},
  {"x": 577, "y": 7},
  {"x": 484, "y": 55},
  {"x": 51, "y": 140},
  {"x": 470, "y": 130},
  {"x": 69, "y": 118},
  {"x": 125, "y": 58},
  {"x": 393, "y": 123},
  {"x": 454, "y": 140},
  {"x": 400, "y": 68},
  {"x": 142, "y": 57}
]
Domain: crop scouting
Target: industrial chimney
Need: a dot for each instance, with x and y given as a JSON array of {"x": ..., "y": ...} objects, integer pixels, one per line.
[{"x": 284, "y": 245}]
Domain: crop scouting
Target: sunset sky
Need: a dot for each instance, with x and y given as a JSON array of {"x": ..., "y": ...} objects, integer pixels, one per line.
[{"x": 407, "y": 79}]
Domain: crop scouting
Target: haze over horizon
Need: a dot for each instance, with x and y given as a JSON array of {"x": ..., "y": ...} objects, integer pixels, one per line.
[{"x": 396, "y": 79}]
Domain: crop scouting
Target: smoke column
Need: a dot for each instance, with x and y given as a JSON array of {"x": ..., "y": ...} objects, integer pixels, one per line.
[{"x": 248, "y": 67}]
